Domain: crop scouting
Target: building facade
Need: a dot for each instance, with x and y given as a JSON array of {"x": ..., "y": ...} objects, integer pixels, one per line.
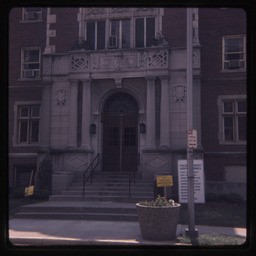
[{"x": 112, "y": 81}]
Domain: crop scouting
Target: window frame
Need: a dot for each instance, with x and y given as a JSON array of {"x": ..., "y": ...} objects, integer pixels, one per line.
[
  {"x": 96, "y": 33},
  {"x": 146, "y": 43},
  {"x": 235, "y": 116},
  {"x": 23, "y": 63},
  {"x": 37, "y": 14},
  {"x": 240, "y": 69},
  {"x": 30, "y": 119}
]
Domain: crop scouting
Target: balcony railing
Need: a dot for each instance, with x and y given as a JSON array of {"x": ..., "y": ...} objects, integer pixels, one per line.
[{"x": 119, "y": 60}]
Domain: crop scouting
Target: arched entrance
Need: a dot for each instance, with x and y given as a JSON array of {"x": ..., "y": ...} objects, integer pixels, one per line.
[{"x": 120, "y": 133}]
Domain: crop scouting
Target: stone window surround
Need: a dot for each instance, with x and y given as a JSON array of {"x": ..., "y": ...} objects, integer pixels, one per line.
[
  {"x": 22, "y": 63},
  {"x": 17, "y": 104},
  {"x": 132, "y": 15},
  {"x": 224, "y": 70},
  {"x": 220, "y": 100}
]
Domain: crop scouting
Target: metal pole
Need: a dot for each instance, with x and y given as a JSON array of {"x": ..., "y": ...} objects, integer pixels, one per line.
[{"x": 190, "y": 170}]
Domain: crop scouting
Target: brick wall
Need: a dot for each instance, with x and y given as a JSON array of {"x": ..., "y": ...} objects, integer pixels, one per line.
[
  {"x": 67, "y": 29},
  {"x": 174, "y": 26}
]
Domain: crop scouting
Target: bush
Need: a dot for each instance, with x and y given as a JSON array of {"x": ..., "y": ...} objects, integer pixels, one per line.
[{"x": 43, "y": 179}]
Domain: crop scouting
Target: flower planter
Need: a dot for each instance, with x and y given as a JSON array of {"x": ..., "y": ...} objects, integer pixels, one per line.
[{"x": 158, "y": 223}]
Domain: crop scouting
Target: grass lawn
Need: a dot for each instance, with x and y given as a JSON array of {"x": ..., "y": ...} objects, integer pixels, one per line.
[
  {"x": 215, "y": 240},
  {"x": 217, "y": 213}
]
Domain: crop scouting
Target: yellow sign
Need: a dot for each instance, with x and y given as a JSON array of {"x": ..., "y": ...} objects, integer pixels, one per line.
[
  {"x": 29, "y": 191},
  {"x": 164, "y": 181}
]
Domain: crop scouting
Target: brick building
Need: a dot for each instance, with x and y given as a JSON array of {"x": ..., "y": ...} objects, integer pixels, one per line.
[{"x": 112, "y": 81}]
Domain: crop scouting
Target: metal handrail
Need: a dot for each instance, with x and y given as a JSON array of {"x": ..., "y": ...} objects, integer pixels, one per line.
[
  {"x": 132, "y": 175},
  {"x": 90, "y": 170}
]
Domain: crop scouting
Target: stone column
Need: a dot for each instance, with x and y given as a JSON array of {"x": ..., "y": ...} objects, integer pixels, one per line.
[
  {"x": 86, "y": 115},
  {"x": 45, "y": 117},
  {"x": 72, "y": 139},
  {"x": 151, "y": 113},
  {"x": 164, "y": 113}
]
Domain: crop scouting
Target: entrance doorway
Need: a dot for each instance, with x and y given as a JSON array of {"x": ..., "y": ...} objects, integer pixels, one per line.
[{"x": 120, "y": 133}]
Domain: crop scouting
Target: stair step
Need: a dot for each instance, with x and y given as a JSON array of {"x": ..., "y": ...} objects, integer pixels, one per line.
[
  {"x": 100, "y": 198},
  {"x": 78, "y": 216},
  {"x": 100, "y": 188},
  {"x": 108, "y": 193}
]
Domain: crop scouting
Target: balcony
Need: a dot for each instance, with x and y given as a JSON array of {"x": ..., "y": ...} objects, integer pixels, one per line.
[{"x": 108, "y": 63}]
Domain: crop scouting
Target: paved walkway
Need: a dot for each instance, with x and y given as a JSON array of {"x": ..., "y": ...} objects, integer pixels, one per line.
[{"x": 80, "y": 232}]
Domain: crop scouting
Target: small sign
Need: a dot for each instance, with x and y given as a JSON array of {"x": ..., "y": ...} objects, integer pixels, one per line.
[
  {"x": 192, "y": 138},
  {"x": 29, "y": 191},
  {"x": 164, "y": 181}
]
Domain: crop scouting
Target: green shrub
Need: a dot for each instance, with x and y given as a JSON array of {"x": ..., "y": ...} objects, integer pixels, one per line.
[{"x": 43, "y": 179}]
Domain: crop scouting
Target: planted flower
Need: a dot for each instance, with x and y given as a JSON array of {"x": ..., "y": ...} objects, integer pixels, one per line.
[{"x": 159, "y": 202}]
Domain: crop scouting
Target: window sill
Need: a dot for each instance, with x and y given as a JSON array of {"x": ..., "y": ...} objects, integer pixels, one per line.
[
  {"x": 29, "y": 79},
  {"x": 238, "y": 70},
  {"x": 242, "y": 143},
  {"x": 26, "y": 145},
  {"x": 31, "y": 21}
]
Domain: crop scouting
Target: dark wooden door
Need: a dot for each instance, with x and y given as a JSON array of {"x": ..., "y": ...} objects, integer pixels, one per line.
[{"x": 120, "y": 144}]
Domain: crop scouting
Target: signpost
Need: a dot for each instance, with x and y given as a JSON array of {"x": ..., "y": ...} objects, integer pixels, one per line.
[{"x": 164, "y": 181}]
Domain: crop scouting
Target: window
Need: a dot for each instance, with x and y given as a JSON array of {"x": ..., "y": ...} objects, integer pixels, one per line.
[
  {"x": 234, "y": 52},
  {"x": 28, "y": 124},
  {"x": 95, "y": 35},
  {"x": 30, "y": 66},
  {"x": 32, "y": 14},
  {"x": 119, "y": 34},
  {"x": 233, "y": 120},
  {"x": 144, "y": 32}
]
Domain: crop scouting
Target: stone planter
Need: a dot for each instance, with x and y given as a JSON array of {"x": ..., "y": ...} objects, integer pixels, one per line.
[{"x": 158, "y": 223}]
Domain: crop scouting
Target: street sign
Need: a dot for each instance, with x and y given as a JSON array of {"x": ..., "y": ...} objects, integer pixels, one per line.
[
  {"x": 164, "y": 181},
  {"x": 192, "y": 139}
]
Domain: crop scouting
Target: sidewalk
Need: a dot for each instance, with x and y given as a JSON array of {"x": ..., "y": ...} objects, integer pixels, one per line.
[{"x": 81, "y": 232}]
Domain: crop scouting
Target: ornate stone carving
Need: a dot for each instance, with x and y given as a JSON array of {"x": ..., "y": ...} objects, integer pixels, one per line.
[
  {"x": 145, "y": 9},
  {"x": 157, "y": 162},
  {"x": 76, "y": 162},
  {"x": 179, "y": 92},
  {"x": 95, "y": 11},
  {"x": 120, "y": 10},
  {"x": 155, "y": 59},
  {"x": 80, "y": 63},
  {"x": 61, "y": 96},
  {"x": 121, "y": 103}
]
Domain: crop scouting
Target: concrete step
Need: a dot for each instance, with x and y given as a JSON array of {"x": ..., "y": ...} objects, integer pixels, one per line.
[
  {"x": 105, "y": 198},
  {"x": 110, "y": 188},
  {"x": 79, "y": 210},
  {"x": 105, "y": 192},
  {"x": 79, "y": 216}
]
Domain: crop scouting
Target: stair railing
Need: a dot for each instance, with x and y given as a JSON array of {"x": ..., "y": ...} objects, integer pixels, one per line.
[
  {"x": 88, "y": 173},
  {"x": 132, "y": 174}
]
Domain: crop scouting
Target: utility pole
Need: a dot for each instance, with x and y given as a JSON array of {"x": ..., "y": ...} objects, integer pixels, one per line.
[{"x": 191, "y": 232}]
